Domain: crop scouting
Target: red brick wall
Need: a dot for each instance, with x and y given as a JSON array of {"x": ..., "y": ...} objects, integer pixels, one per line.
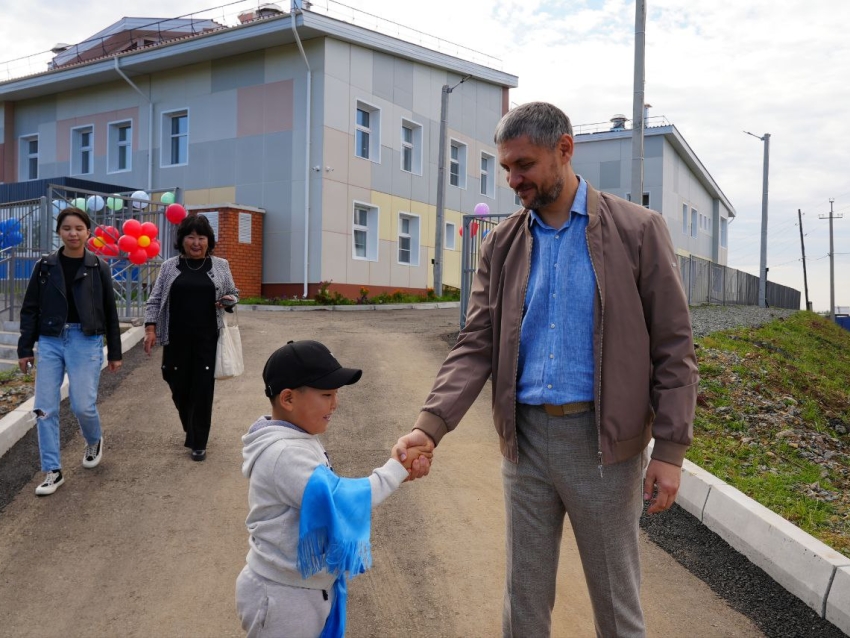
[
  {"x": 246, "y": 260},
  {"x": 352, "y": 291}
]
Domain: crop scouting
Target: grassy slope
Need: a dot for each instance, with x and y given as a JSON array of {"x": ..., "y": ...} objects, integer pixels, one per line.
[{"x": 773, "y": 418}]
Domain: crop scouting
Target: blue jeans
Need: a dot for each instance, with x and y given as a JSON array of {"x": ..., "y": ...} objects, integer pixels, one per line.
[{"x": 81, "y": 356}]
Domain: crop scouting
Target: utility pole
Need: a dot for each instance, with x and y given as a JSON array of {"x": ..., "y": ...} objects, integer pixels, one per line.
[
  {"x": 803, "y": 248},
  {"x": 439, "y": 231},
  {"x": 831, "y": 261},
  {"x": 763, "y": 261},
  {"x": 638, "y": 102}
]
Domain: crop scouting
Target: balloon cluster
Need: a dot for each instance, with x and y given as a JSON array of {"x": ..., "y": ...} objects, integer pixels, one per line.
[
  {"x": 104, "y": 242},
  {"x": 139, "y": 241},
  {"x": 10, "y": 233}
]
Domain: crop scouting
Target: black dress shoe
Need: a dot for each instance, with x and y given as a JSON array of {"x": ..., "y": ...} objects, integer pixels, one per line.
[{"x": 199, "y": 455}]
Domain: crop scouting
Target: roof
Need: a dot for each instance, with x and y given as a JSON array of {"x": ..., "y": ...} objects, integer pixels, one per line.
[
  {"x": 228, "y": 41},
  {"x": 682, "y": 148}
]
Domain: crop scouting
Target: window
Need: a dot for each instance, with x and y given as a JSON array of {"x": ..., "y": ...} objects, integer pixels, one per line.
[
  {"x": 82, "y": 150},
  {"x": 694, "y": 222},
  {"x": 411, "y": 147},
  {"x": 457, "y": 164},
  {"x": 365, "y": 232},
  {"x": 724, "y": 238},
  {"x": 120, "y": 150},
  {"x": 645, "y": 202},
  {"x": 367, "y": 132},
  {"x": 488, "y": 175},
  {"x": 175, "y": 138},
  {"x": 408, "y": 239},
  {"x": 29, "y": 157},
  {"x": 685, "y": 219},
  {"x": 451, "y": 231}
]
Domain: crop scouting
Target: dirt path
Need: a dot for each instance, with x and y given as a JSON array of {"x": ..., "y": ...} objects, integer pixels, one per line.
[{"x": 149, "y": 544}]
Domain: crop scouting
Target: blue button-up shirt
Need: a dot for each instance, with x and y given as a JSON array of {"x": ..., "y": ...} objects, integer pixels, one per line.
[{"x": 556, "y": 338}]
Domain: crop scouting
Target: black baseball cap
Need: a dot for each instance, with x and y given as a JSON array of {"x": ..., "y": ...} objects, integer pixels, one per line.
[{"x": 305, "y": 363}]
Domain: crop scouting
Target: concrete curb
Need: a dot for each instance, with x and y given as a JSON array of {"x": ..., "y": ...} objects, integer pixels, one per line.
[
  {"x": 811, "y": 570},
  {"x": 806, "y": 567},
  {"x": 18, "y": 422},
  {"x": 439, "y": 305}
]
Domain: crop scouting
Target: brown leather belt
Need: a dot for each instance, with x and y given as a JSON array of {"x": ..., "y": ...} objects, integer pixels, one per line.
[{"x": 568, "y": 408}]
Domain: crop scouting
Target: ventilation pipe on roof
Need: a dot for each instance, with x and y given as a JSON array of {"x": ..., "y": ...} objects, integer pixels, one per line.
[
  {"x": 296, "y": 8},
  {"x": 150, "y": 121},
  {"x": 618, "y": 122}
]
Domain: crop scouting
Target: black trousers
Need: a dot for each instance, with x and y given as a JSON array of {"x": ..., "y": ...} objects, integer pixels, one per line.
[{"x": 188, "y": 366}]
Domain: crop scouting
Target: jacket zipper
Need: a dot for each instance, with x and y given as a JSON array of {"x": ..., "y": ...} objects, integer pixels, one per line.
[{"x": 599, "y": 375}]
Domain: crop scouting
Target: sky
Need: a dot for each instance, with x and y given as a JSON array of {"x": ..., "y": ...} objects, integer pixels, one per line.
[{"x": 713, "y": 69}]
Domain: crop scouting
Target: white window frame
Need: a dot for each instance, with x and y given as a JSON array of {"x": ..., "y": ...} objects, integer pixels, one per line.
[
  {"x": 459, "y": 161},
  {"x": 412, "y": 235},
  {"x": 488, "y": 175},
  {"x": 373, "y": 131},
  {"x": 79, "y": 152},
  {"x": 166, "y": 156},
  {"x": 694, "y": 222},
  {"x": 114, "y": 145},
  {"x": 724, "y": 232},
  {"x": 414, "y": 146},
  {"x": 26, "y": 156},
  {"x": 370, "y": 229},
  {"x": 686, "y": 219},
  {"x": 449, "y": 241}
]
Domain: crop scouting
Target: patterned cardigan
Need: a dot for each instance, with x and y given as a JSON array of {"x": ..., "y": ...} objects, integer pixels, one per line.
[{"x": 159, "y": 302}]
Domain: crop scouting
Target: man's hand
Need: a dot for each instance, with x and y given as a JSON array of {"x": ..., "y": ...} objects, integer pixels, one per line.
[
  {"x": 25, "y": 364},
  {"x": 114, "y": 365},
  {"x": 150, "y": 339},
  {"x": 665, "y": 478},
  {"x": 413, "y": 453},
  {"x": 421, "y": 465}
]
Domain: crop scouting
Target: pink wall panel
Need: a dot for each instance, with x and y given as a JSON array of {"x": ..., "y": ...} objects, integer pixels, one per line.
[{"x": 264, "y": 108}]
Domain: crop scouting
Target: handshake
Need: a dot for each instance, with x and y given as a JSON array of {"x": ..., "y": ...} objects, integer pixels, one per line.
[{"x": 413, "y": 453}]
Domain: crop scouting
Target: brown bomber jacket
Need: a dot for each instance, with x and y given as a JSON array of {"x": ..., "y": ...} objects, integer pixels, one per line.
[{"x": 645, "y": 368}]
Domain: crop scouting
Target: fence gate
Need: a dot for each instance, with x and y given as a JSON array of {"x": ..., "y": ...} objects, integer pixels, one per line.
[{"x": 475, "y": 229}]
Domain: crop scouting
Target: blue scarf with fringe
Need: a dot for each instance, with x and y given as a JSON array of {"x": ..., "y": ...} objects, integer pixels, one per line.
[{"x": 334, "y": 531}]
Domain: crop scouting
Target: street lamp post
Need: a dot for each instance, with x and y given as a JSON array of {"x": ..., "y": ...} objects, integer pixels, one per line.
[
  {"x": 763, "y": 261},
  {"x": 441, "y": 187}
]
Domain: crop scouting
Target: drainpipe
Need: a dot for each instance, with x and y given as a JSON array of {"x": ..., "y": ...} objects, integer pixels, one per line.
[
  {"x": 295, "y": 7},
  {"x": 150, "y": 122}
]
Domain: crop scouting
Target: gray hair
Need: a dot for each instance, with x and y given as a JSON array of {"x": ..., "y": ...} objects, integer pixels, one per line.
[{"x": 543, "y": 123}]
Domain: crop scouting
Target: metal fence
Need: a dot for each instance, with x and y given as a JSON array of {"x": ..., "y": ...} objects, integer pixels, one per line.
[
  {"x": 704, "y": 282},
  {"x": 27, "y": 231}
]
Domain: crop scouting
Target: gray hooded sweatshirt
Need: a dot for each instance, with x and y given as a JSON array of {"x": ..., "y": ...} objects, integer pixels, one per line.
[{"x": 278, "y": 461}]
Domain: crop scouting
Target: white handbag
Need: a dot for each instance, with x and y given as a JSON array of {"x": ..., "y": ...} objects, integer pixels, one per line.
[{"x": 228, "y": 354}]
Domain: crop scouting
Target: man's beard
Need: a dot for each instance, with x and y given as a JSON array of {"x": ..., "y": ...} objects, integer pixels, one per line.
[{"x": 547, "y": 197}]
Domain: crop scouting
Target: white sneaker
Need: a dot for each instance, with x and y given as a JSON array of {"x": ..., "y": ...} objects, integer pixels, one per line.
[
  {"x": 52, "y": 481},
  {"x": 93, "y": 454}
]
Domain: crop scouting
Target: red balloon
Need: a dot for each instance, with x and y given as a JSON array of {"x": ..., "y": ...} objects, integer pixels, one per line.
[
  {"x": 150, "y": 229},
  {"x": 460, "y": 231},
  {"x": 128, "y": 244},
  {"x": 474, "y": 228},
  {"x": 132, "y": 227},
  {"x": 138, "y": 256},
  {"x": 109, "y": 250},
  {"x": 91, "y": 245},
  {"x": 152, "y": 249},
  {"x": 175, "y": 213},
  {"x": 110, "y": 234}
]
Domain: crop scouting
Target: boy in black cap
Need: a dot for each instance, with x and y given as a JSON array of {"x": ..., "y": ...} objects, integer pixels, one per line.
[{"x": 309, "y": 529}]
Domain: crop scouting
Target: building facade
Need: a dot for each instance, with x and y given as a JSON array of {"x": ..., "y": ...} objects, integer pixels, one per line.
[
  {"x": 330, "y": 128},
  {"x": 675, "y": 184}
]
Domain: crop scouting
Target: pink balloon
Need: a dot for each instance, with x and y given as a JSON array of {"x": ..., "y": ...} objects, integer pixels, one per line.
[
  {"x": 138, "y": 256},
  {"x": 175, "y": 213},
  {"x": 482, "y": 209},
  {"x": 150, "y": 229},
  {"x": 132, "y": 227}
]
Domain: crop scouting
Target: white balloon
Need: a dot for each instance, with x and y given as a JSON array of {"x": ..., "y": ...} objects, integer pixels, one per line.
[
  {"x": 59, "y": 205},
  {"x": 140, "y": 195},
  {"x": 94, "y": 203}
]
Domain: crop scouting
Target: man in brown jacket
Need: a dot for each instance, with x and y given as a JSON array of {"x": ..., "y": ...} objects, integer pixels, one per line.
[{"x": 578, "y": 316}]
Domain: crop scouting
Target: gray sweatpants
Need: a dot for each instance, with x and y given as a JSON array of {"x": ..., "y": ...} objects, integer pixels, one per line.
[
  {"x": 271, "y": 610},
  {"x": 558, "y": 473}
]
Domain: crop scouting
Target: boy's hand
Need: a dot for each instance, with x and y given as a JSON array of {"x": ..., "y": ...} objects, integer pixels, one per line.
[{"x": 413, "y": 453}]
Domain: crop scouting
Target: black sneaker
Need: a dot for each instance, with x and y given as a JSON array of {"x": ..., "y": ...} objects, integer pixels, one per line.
[
  {"x": 93, "y": 454},
  {"x": 52, "y": 481},
  {"x": 199, "y": 455}
]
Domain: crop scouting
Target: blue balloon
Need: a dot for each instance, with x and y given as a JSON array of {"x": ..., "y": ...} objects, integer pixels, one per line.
[
  {"x": 13, "y": 224},
  {"x": 15, "y": 238}
]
